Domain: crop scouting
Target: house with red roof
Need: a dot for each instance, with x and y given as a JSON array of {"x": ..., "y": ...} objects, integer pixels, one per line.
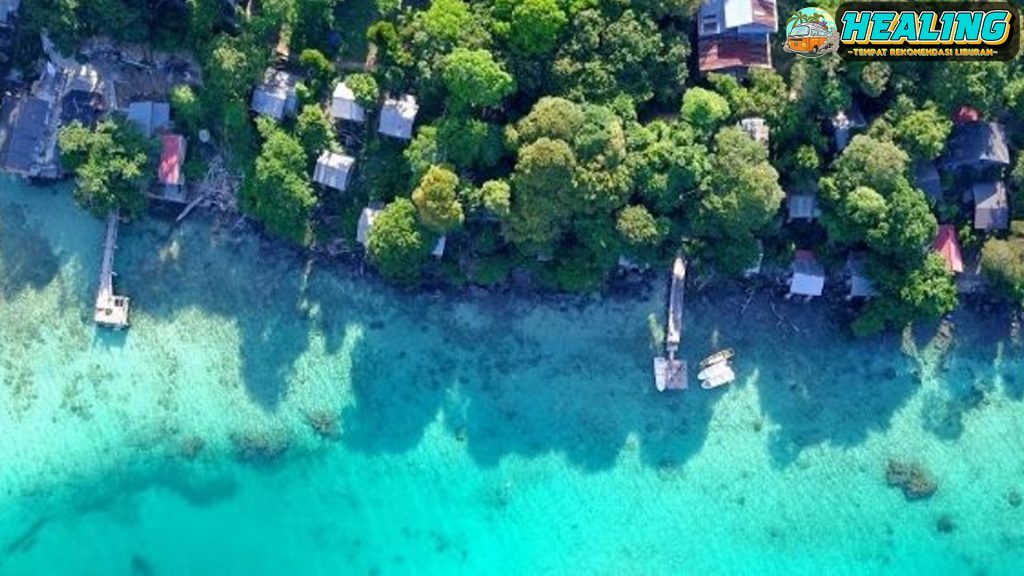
[
  {"x": 169, "y": 171},
  {"x": 947, "y": 245},
  {"x": 735, "y": 35}
]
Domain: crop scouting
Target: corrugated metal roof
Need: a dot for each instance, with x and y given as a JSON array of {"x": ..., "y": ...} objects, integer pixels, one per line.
[
  {"x": 172, "y": 156},
  {"x": 734, "y": 52},
  {"x": 977, "y": 145},
  {"x": 366, "y": 219},
  {"x": 991, "y": 209},
  {"x": 149, "y": 116},
  {"x": 276, "y": 96},
  {"x": 333, "y": 170},
  {"x": 802, "y": 206},
  {"x": 344, "y": 106},
  {"x": 397, "y": 117}
]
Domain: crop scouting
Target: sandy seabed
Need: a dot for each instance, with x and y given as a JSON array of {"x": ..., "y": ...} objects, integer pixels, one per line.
[{"x": 267, "y": 415}]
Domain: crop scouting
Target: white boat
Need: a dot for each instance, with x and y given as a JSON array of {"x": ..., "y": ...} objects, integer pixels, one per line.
[{"x": 715, "y": 375}]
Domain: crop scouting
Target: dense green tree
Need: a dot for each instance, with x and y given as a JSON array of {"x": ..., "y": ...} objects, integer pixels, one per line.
[
  {"x": 1002, "y": 262},
  {"x": 231, "y": 68},
  {"x": 544, "y": 174},
  {"x": 112, "y": 165},
  {"x": 925, "y": 292},
  {"x": 436, "y": 200},
  {"x": 765, "y": 94},
  {"x": 315, "y": 131},
  {"x": 278, "y": 192},
  {"x": 469, "y": 143},
  {"x": 555, "y": 118},
  {"x": 496, "y": 196},
  {"x": 319, "y": 72},
  {"x": 704, "y": 109},
  {"x": 473, "y": 78},
  {"x": 604, "y": 57},
  {"x": 188, "y": 110},
  {"x": 668, "y": 163},
  {"x": 535, "y": 26},
  {"x": 742, "y": 190},
  {"x": 874, "y": 78},
  {"x": 364, "y": 87},
  {"x": 397, "y": 244},
  {"x": 639, "y": 228},
  {"x": 923, "y": 133},
  {"x": 878, "y": 165}
]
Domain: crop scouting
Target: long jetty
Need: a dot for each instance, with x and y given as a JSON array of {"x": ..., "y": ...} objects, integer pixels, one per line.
[
  {"x": 111, "y": 309},
  {"x": 669, "y": 372}
]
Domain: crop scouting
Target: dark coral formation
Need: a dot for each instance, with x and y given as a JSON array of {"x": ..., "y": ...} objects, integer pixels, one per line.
[
  {"x": 1013, "y": 498},
  {"x": 916, "y": 482},
  {"x": 192, "y": 446},
  {"x": 945, "y": 524},
  {"x": 259, "y": 448},
  {"x": 325, "y": 424}
]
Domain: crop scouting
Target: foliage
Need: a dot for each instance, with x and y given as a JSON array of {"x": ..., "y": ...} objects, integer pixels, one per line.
[
  {"x": 278, "y": 192},
  {"x": 923, "y": 133},
  {"x": 397, "y": 244},
  {"x": 319, "y": 72},
  {"x": 704, "y": 109},
  {"x": 469, "y": 143},
  {"x": 604, "y": 57},
  {"x": 740, "y": 197},
  {"x": 314, "y": 131},
  {"x": 496, "y": 196},
  {"x": 639, "y": 228},
  {"x": 188, "y": 110},
  {"x": 1002, "y": 262},
  {"x": 435, "y": 199},
  {"x": 474, "y": 79},
  {"x": 668, "y": 164},
  {"x": 535, "y": 26},
  {"x": 112, "y": 165},
  {"x": 364, "y": 87}
]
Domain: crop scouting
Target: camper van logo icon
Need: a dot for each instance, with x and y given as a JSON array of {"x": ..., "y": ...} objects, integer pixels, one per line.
[{"x": 811, "y": 32}]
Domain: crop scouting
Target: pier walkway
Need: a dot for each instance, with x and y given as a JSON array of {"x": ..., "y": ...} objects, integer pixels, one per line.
[
  {"x": 111, "y": 309},
  {"x": 669, "y": 372}
]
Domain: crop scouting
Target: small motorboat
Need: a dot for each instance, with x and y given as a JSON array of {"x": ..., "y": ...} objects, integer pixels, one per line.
[
  {"x": 715, "y": 375},
  {"x": 717, "y": 357}
]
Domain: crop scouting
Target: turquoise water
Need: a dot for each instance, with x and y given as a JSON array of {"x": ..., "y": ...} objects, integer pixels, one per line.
[{"x": 272, "y": 415}]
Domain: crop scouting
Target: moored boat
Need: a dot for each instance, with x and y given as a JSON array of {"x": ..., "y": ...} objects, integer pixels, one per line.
[
  {"x": 718, "y": 374},
  {"x": 720, "y": 356}
]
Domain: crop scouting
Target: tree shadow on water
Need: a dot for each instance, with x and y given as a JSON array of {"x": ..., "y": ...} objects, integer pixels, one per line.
[
  {"x": 833, "y": 391},
  {"x": 257, "y": 284},
  {"x": 27, "y": 259},
  {"x": 503, "y": 390}
]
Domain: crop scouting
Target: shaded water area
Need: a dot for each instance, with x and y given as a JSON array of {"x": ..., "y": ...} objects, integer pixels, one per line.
[{"x": 269, "y": 414}]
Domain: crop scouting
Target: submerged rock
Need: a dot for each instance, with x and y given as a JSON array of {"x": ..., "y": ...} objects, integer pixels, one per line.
[
  {"x": 259, "y": 448},
  {"x": 912, "y": 478},
  {"x": 325, "y": 424},
  {"x": 192, "y": 446},
  {"x": 945, "y": 524},
  {"x": 1014, "y": 499}
]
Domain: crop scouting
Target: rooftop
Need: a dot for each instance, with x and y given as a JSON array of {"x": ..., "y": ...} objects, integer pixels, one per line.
[
  {"x": 947, "y": 245},
  {"x": 150, "y": 117},
  {"x": 733, "y": 53},
  {"x": 977, "y": 145},
  {"x": 719, "y": 16},
  {"x": 275, "y": 97},
  {"x": 172, "y": 156},
  {"x": 344, "y": 105},
  {"x": 28, "y": 119},
  {"x": 991, "y": 208},
  {"x": 808, "y": 275},
  {"x": 397, "y": 117},
  {"x": 333, "y": 170}
]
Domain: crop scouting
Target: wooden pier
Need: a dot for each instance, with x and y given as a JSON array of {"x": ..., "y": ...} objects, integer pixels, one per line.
[
  {"x": 670, "y": 373},
  {"x": 111, "y": 309}
]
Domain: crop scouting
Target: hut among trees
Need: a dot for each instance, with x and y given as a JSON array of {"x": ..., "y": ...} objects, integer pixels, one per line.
[
  {"x": 734, "y": 35},
  {"x": 149, "y": 117},
  {"x": 333, "y": 170},
  {"x": 976, "y": 146},
  {"x": 169, "y": 171},
  {"x": 926, "y": 177},
  {"x": 808, "y": 279},
  {"x": 275, "y": 97},
  {"x": 845, "y": 123},
  {"x": 802, "y": 206},
  {"x": 344, "y": 105},
  {"x": 398, "y": 116},
  {"x": 366, "y": 218},
  {"x": 991, "y": 208},
  {"x": 756, "y": 128},
  {"x": 947, "y": 245},
  {"x": 860, "y": 285}
]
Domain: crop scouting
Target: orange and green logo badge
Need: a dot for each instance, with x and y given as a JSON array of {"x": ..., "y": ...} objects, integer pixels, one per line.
[{"x": 811, "y": 32}]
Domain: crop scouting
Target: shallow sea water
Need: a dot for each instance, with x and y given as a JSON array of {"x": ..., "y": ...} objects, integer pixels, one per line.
[{"x": 270, "y": 415}]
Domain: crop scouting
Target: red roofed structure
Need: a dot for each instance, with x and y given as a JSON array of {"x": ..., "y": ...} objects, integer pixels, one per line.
[
  {"x": 172, "y": 156},
  {"x": 966, "y": 114},
  {"x": 947, "y": 246},
  {"x": 733, "y": 53}
]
